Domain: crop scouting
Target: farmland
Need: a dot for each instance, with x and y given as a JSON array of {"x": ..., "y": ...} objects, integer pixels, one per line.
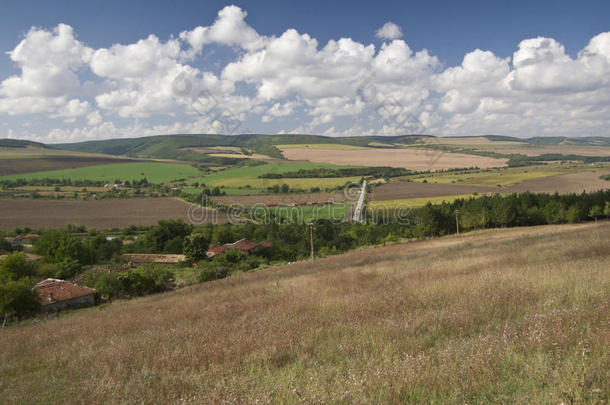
[
  {"x": 248, "y": 176},
  {"x": 498, "y": 316},
  {"x": 31, "y": 158},
  {"x": 407, "y": 203},
  {"x": 153, "y": 171},
  {"x": 409, "y": 158},
  {"x": 103, "y": 214}
]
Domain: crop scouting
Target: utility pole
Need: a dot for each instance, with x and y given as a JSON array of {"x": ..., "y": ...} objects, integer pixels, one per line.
[
  {"x": 311, "y": 239},
  {"x": 457, "y": 223}
]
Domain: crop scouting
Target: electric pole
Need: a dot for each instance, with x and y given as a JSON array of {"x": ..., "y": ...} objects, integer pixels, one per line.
[{"x": 457, "y": 223}]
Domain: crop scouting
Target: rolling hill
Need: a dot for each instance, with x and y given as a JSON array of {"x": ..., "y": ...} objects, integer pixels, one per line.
[{"x": 497, "y": 316}]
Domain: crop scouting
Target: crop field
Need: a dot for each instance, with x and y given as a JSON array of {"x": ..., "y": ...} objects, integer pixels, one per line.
[
  {"x": 35, "y": 159},
  {"x": 499, "y": 316},
  {"x": 304, "y": 214},
  {"x": 155, "y": 172},
  {"x": 409, "y": 158},
  {"x": 287, "y": 199},
  {"x": 502, "y": 176},
  {"x": 523, "y": 148},
  {"x": 564, "y": 183},
  {"x": 244, "y": 176},
  {"x": 101, "y": 214},
  {"x": 325, "y": 146},
  {"x": 415, "y": 202},
  {"x": 403, "y": 189}
]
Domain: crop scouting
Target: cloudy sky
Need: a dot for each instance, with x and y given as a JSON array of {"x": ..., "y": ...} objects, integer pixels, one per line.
[{"x": 72, "y": 72}]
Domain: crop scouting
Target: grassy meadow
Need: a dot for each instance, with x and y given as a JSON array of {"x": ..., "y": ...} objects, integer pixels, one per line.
[{"x": 516, "y": 315}]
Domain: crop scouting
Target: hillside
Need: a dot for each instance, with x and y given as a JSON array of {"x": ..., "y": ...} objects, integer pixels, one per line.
[{"x": 503, "y": 316}]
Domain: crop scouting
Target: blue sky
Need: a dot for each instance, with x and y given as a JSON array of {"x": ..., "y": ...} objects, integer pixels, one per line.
[{"x": 113, "y": 80}]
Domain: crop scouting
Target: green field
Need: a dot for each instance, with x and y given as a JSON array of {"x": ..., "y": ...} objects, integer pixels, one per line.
[
  {"x": 153, "y": 171},
  {"x": 335, "y": 212},
  {"x": 243, "y": 176}
]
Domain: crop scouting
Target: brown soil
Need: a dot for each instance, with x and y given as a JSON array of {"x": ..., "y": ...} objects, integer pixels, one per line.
[
  {"x": 103, "y": 214},
  {"x": 563, "y": 183},
  {"x": 400, "y": 190}
]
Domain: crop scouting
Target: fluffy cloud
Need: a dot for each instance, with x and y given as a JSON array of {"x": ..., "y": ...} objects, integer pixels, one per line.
[
  {"x": 48, "y": 61},
  {"x": 338, "y": 88},
  {"x": 229, "y": 28},
  {"x": 389, "y": 31}
]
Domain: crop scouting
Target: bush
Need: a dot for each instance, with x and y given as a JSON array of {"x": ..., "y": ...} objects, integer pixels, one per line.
[
  {"x": 16, "y": 266},
  {"x": 18, "y": 298}
]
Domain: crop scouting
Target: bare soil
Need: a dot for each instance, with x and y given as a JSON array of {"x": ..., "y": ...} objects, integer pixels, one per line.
[
  {"x": 286, "y": 199},
  {"x": 103, "y": 214},
  {"x": 401, "y": 190},
  {"x": 563, "y": 183}
]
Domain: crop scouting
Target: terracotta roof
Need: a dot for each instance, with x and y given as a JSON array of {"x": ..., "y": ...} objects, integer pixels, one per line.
[
  {"x": 53, "y": 290},
  {"x": 31, "y": 236},
  {"x": 152, "y": 258}
]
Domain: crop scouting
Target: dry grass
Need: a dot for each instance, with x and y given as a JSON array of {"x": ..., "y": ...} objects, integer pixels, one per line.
[{"x": 501, "y": 316}]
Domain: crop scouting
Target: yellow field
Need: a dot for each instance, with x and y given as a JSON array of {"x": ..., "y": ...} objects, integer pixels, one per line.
[{"x": 327, "y": 146}]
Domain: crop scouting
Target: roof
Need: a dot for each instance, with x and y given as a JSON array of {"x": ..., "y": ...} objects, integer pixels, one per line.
[
  {"x": 53, "y": 290},
  {"x": 243, "y": 244},
  {"x": 152, "y": 258}
]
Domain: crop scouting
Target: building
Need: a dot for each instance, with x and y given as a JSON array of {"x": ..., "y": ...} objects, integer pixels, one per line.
[
  {"x": 136, "y": 258},
  {"x": 56, "y": 295},
  {"x": 243, "y": 245}
]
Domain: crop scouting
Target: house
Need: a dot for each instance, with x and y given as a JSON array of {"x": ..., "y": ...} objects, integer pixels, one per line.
[
  {"x": 243, "y": 245},
  {"x": 136, "y": 258},
  {"x": 56, "y": 295},
  {"x": 23, "y": 240}
]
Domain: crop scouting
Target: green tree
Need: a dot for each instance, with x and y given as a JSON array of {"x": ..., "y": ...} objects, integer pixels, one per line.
[
  {"x": 67, "y": 268},
  {"x": 195, "y": 246},
  {"x": 595, "y": 211},
  {"x": 16, "y": 266},
  {"x": 607, "y": 209},
  {"x": 55, "y": 246},
  {"x": 18, "y": 298}
]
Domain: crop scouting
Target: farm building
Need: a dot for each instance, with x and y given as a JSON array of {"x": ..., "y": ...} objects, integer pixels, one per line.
[
  {"x": 244, "y": 245},
  {"x": 23, "y": 240},
  {"x": 56, "y": 295},
  {"x": 136, "y": 258}
]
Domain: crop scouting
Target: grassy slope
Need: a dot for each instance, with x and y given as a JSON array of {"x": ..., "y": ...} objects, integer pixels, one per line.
[{"x": 504, "y": 316}]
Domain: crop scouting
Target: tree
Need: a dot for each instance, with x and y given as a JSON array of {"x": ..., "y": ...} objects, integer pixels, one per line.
[
  {"x": 196, "y": 246},
  {"x": 55, "y": 246},
  {"x": 595, "y": 211},
  {"x": 67, "y": 268},
  {"x": 607, "y": 209},
  {"x": 18, "y": 298},
  {"x": 16, "y": 266}
]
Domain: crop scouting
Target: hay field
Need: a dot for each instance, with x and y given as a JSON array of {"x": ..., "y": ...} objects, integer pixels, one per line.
[
  {"x": 409, "y": 158},
  {"x": 407, "y": 203},
  {"x": 101, "y": 214},
  {"x": 498, "y": 316},
  {"x": 326, "y": 146}
]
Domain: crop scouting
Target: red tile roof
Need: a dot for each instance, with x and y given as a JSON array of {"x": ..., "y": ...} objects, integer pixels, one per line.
[
  {"x": 152, "y": 258},
  {"x": 52, "y": 290}
]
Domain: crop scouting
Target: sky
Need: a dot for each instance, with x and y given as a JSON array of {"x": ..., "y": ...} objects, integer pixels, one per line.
[{"x": 74, "y": 71}]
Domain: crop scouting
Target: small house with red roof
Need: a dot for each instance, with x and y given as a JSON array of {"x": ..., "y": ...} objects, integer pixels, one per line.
[{"x": 56, "y": 295}]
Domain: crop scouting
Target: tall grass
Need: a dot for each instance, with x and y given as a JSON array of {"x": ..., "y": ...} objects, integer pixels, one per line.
[{"x": 497, "y": 316}]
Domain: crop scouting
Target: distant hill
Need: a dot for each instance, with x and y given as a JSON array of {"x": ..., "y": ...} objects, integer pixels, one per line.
[
  {"x": 173, "y": 146},
  {"x": 18, "y": 143}
]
